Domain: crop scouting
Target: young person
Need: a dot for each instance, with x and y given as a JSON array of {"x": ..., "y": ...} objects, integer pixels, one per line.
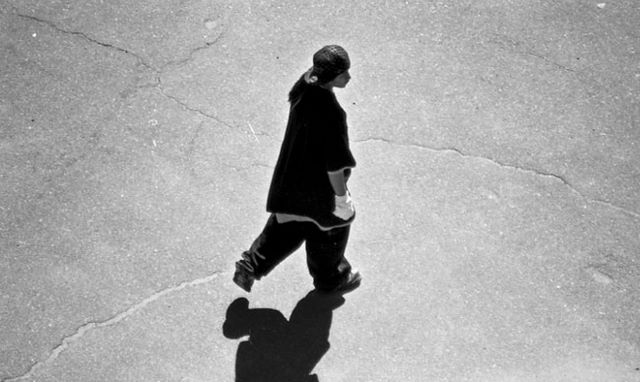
[{"x": 308, "y": 199}]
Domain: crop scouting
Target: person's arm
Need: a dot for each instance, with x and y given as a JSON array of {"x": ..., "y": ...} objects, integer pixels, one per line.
[
  {"x": 338, "y": 182},
  {"x": 344, "y": 208}
]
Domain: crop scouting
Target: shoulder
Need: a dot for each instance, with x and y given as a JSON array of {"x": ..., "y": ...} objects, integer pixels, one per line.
[{"x": 327, "y": 103}]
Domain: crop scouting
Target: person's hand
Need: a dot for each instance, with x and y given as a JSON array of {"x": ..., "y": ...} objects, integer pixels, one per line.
[{"x": 345, "y": 208}]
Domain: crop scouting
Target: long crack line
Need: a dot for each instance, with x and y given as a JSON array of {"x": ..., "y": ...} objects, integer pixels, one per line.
[
  {"x": 548, "y": 60},
  {"x": 494, "y": 161},
  {"x": 88, "y": 38},
  {"x": 158, "y": 80},
  {"x": 68, "y": 341},
  {"x": 191, "y": 108},
  {"x": 183, "y": 61}
]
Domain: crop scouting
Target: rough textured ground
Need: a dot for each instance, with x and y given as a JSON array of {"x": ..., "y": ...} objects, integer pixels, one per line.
[{"x": 497, "y": 190}]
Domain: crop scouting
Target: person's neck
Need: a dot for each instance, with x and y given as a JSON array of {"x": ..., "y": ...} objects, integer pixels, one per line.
[{"x": 328, "y": 87}]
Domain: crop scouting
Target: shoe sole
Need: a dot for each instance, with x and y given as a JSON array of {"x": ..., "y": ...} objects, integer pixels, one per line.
[
  {"x": 351, "y": 285},
  {"x": 238, "y": 280},
  {"x": 347, "y": 287}
]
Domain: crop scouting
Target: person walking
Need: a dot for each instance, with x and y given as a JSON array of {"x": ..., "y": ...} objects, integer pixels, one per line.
[{"x": 308, "y": 199}]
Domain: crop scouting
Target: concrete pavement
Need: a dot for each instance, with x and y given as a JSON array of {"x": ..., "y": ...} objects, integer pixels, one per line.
[{"x": 496, "y": 188}]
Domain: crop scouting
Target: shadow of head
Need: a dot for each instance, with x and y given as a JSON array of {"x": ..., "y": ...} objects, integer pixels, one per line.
[{"x": 278, "y": 349}]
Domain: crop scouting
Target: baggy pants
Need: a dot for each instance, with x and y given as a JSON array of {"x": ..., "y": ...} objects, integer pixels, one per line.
[{"x": 325, "y": 250}]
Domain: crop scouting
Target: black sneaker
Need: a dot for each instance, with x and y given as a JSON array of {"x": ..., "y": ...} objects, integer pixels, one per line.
[
  {"x": 352, "y": 282},
  {"x": 243, "y": 277}
]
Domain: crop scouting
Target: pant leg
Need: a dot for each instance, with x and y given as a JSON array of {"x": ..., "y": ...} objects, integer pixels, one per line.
[
  {"x": 325, "y": 256},
  {"x": 274, "y": 244}
]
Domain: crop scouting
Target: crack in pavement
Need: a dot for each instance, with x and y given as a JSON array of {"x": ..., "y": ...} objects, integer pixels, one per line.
[
  {"x": 69, "y": 340},
  {"x": 181, "y": 62},
  {"x": 548, "y": 60},
  {"x": 87, "y": 38},
  {"x": 186, "y": 106},
  {"x": 504, "y": 165},
  {"x": 158, "y": 72},
  {"x": 519, "y": 47}
]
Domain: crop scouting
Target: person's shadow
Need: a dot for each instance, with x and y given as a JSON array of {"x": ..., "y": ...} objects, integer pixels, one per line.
[{"x": 278, "y": 350}]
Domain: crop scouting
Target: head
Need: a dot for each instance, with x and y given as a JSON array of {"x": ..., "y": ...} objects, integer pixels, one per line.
[{"x": 330, "y": 67}]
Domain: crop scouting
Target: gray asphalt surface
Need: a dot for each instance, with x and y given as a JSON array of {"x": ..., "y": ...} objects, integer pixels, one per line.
[{"x": 498, "y": 150}]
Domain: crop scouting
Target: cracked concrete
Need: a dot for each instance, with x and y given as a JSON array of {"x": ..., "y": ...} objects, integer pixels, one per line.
[
  {"x": 180, "y": 62},
  {"x": 68, "y": 341},
  {"x": 193, "y": 109},
  {"x": 527, "y": 170},
  {"x": 498, "y": 179},
  {"x": 520, "y": 48},
  {"x": 159, "y": 71},
  {"x": 86, "y": 37}
]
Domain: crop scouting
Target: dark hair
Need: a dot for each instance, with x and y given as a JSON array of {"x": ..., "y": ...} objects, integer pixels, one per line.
[{"x": 298, "y": 89}]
